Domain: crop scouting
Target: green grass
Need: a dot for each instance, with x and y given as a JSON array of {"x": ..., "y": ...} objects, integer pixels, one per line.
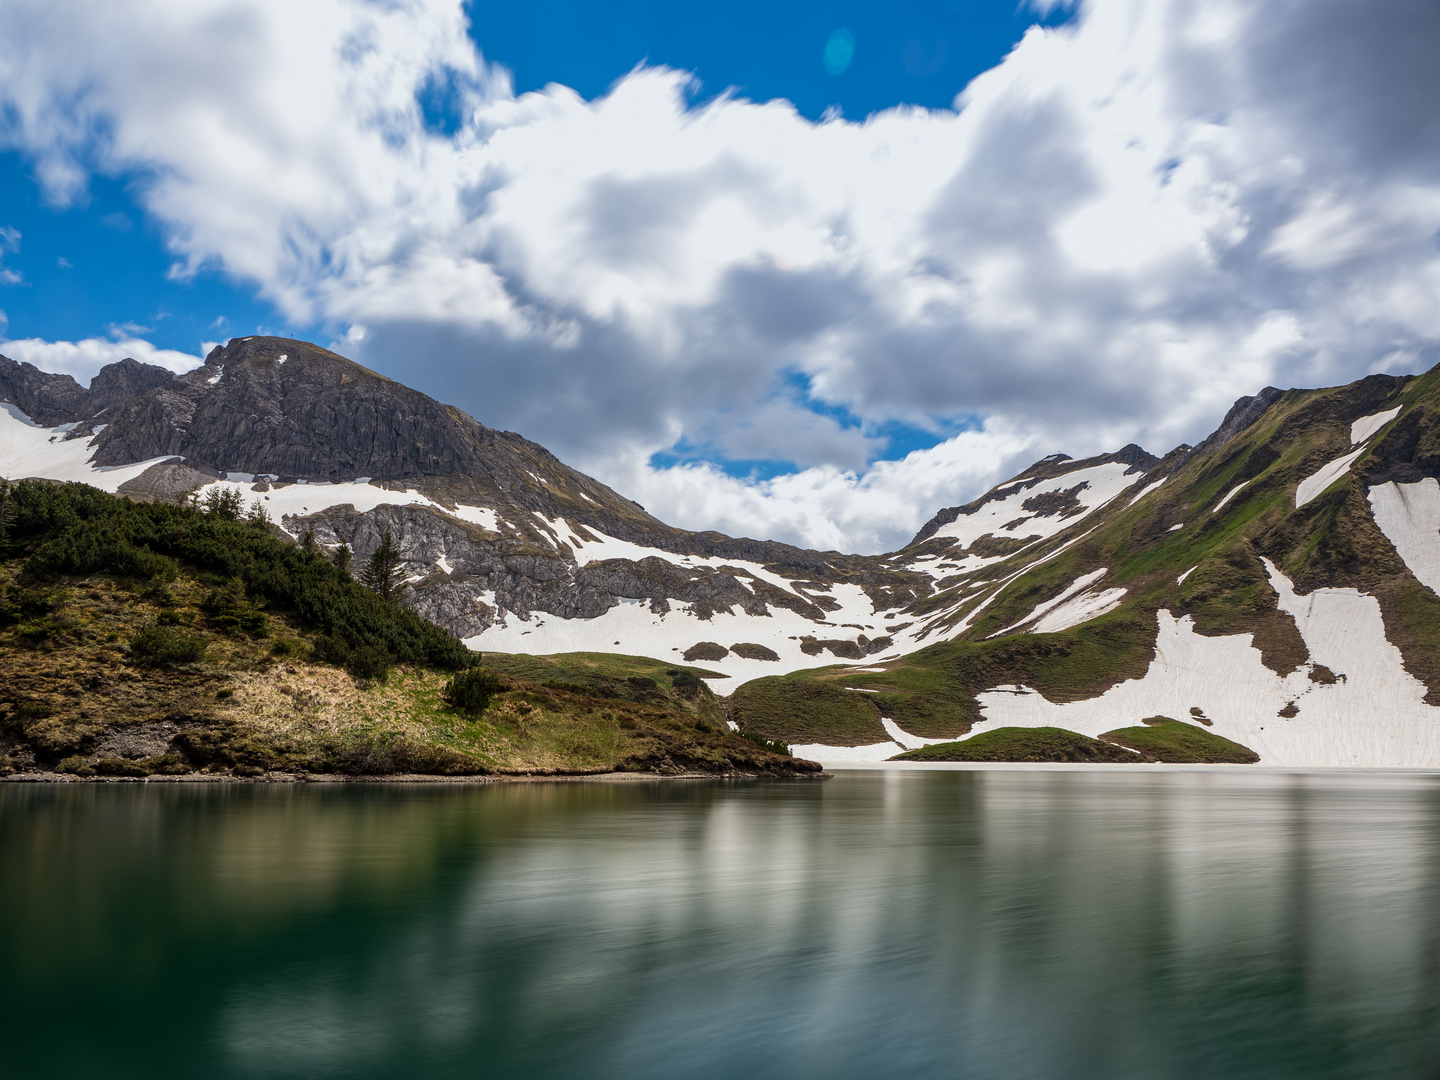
[
  {"x": 799, "y": 709},
  {"x": 637, "y": 679},
  {"x": 1173, "y": 742},
  {"x": 1039, "y": 744}
]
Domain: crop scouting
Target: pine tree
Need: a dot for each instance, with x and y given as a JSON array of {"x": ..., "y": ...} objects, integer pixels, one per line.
[
  {"x": 341, "y": 558},
  {"x": 384, "y": 573},
  {"x": 258, "y": 516},
  {"x": 223, "y": 502}
]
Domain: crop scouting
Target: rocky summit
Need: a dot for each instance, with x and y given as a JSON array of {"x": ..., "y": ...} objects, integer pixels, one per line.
[{"x": 1273, "y": 587}]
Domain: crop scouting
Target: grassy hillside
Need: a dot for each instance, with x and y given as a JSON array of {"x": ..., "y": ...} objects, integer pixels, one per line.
[
  {"x": 1185, "y": 529},
  {"x": 143, "y": 639},
  {"x": 1041, "y": 744}
]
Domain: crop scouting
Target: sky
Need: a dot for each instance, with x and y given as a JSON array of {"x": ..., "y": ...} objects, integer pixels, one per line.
[{"x": 803, "y": 271}]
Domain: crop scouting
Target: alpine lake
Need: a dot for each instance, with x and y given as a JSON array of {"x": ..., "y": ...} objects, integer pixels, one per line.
[{"x": 995, "y": 923}]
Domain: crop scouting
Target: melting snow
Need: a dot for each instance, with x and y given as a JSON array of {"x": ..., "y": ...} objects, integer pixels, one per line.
[
  {"x": 1409, "y": 516},
  {"x": 26, "y": 450},
  {"x": 477, "y": 515},
  {"x": 1083, "y": 582},
  {"x": 216, "y": 377},
  {"x": 1228, "y": 496},
  {"x": 1312, "y": 486},
  {"x": 444, "y": 564},
  {"x": 1374, "y": 715},
  {"x": 1146, "y": 490},
  {"x": 1181, "y": 579},
  {"x": 1105, "y": 482},
  {"x": 300, "y": 500},
  {"x": 1366, "y": 426}
]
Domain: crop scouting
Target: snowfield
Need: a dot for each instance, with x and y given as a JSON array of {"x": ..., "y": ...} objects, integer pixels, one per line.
[
  {"x": 29, "y": 450},
  {"x": 1372, "y": 715}
]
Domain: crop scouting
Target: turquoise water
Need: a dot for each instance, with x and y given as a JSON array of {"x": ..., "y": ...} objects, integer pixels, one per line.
[{"x": 992, "y": 925}]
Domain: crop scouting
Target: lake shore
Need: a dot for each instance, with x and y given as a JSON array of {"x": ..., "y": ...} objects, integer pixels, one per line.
[{"x": 402, "y": 778}]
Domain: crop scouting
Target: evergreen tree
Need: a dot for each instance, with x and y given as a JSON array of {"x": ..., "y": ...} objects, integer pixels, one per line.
[
  {"x": 341, "y": 558},
  {"x": 384, "y": 573},
  {"x": 258, "y": 516},
  {"x": 307, "y": 540},
  {"x": 223, "y": 503}
]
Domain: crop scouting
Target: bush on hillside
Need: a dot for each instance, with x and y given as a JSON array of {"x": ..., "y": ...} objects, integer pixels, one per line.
[
  {"x": 75, "y": 529},
  {"x": 165, "y": 646},
  {"x": 472, "y": 690}
]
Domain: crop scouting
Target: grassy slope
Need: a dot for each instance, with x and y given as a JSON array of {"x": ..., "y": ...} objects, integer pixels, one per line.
[
  {"x": 1332, "y": 541},
  {"x": 1023, "y": 744},
  {"x": 1173, "y": 742},
  {"x": 76, "y": 695}
]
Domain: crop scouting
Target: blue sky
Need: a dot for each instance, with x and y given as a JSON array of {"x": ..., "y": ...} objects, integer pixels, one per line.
[{"x": 815, "y": 322}]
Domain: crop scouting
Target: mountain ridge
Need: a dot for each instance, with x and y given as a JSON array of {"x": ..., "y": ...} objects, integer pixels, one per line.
[{"x": 1064, "y": 584}]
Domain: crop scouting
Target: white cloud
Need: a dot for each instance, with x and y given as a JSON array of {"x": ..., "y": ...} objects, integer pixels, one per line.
[
  {"x": 9, "y": 241},
  {"x": 82, "y": 359},
  {"x": 1127, "y": 224}
]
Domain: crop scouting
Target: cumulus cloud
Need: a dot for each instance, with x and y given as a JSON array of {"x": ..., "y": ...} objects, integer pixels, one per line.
[
  {"x": 1128, "y": 223},
  {"x": 82, "y": 359}
]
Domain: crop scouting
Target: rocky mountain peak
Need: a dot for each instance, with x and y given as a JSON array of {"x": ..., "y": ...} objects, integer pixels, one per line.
[{"x": 51, "y": 399}]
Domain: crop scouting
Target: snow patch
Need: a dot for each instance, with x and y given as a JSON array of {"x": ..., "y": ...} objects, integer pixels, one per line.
[
  {"x": 1229, "y": 495},
  {"x": 823, "y": 753},
  {"x": 1082, "y": 582},
  {"x": 1366, "y": 426},
  {"x": 1181, "y": 579},
  {"x": 1312, "y": 486},
  {"x": 1104, "y": 482},
  {"x": 216, "y": 377},
  {"x": 1374, "y": 716},
  {"x": 1409, "y": 516},
  {"x": 905, "y": 739},
  {"x": 444, "y": 564},
  {"x": 26, "y": 450},
  {"x": 477, "y": 515},
  {"x": 302, "y": 500},
  {"x": 1146, "y": 490}
]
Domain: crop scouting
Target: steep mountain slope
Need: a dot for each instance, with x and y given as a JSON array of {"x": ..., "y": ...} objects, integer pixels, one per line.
[{"x": 1275, "y": 584}]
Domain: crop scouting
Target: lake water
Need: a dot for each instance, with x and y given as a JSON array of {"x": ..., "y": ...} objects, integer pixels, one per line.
[{"x": 1001, "y": 925}]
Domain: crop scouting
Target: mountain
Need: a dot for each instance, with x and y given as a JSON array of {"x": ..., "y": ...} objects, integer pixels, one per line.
[{"x": 1274, "y": 586}]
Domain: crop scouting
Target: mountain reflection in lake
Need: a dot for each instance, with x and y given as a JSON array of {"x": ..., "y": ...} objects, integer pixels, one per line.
[{"x": 1001, "y": 924}]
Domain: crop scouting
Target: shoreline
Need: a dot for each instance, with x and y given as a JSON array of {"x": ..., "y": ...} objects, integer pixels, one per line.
[
  {"x": 398, "y": 778},
  {"x": 1119, "y": 766}
]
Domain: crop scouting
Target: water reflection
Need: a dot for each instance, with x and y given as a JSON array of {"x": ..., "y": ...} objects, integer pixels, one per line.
[{"x": 973, "y": 924}]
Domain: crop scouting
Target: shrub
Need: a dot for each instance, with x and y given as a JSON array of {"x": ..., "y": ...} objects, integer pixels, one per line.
[
  {"x": 369, "y": 662},
  {"x": 119, "y": 766},
  {"x": 687, "y": 684},
  {"x": 229, "y": 610},
  {"x": 75, "y": 766},
  {"x": 164, "y": 646},
  {"x": 224, "y": 503},
  {"x": 471, "y": 691},
  {"x": 166, "y": 765}
]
